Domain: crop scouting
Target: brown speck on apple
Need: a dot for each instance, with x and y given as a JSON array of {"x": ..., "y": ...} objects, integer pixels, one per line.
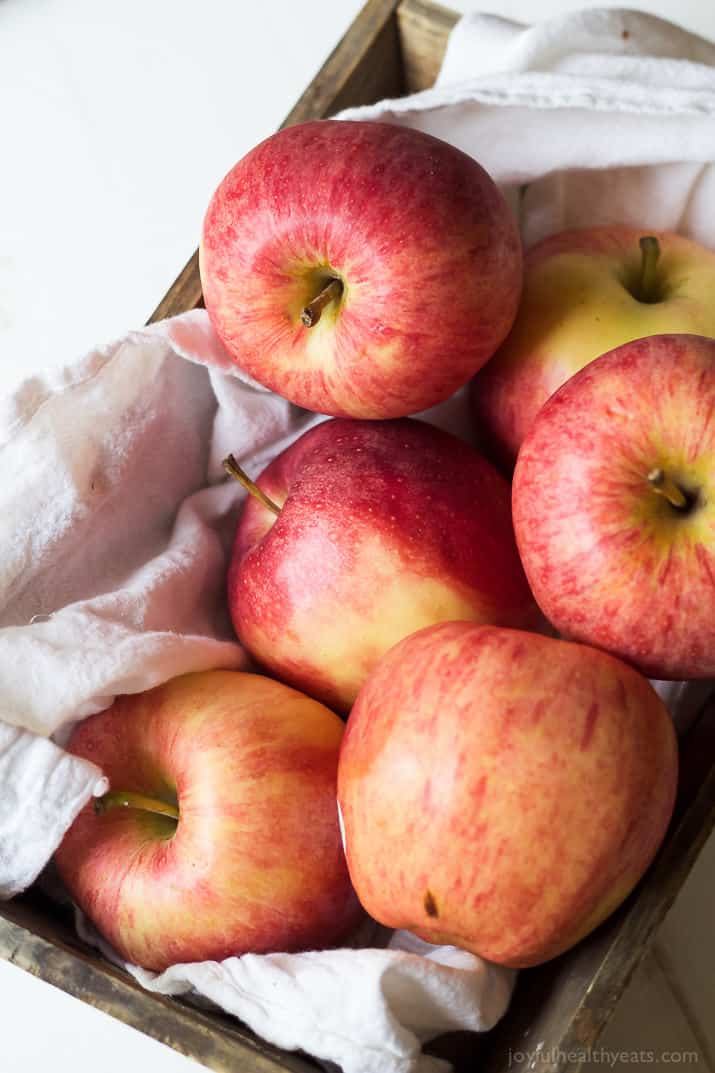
[{"x": 430, "y": 904}]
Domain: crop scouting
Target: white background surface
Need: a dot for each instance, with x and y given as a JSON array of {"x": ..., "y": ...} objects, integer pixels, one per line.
[{"x": 117, "y": 122}]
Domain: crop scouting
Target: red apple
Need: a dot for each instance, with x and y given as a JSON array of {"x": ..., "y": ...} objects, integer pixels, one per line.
[
  {"x": 382, "y": 528},
  {"x": 503, "y": 791},
  {"x": 586, "y": 292},
  {"x": 360, "y": 269},
  {"x": 230, "y": 841},
  {"x": 614, "y": 505}
]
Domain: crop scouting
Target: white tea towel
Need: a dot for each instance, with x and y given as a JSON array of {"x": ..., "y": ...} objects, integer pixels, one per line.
[
  {"x": 115, "y": 518},
  {"x": 117, "y": 525},
  {"x": 112, "y": 567},
  {"x": 42, "y": 789},
  {"x": 590, "y": 118},
  {"x": 367, "y": 1010}
]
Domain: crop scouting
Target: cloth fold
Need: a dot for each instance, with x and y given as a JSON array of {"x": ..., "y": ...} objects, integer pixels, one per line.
[
  {"x": 367, "y": 1010},
  {"x": 116, "y": 520},
  {"x": 587, "y": 119},
  {"x": 42, "y": 789}
]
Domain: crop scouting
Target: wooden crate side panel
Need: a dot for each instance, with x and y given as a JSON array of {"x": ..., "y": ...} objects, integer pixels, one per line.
[
  {"x": 424, "y": 30},
  {"x": 647, "y": 1018},
  {"x": 363, "y": 67},
  {"x": 45, "y": 948},
  {"x": 184, "y": 293}
]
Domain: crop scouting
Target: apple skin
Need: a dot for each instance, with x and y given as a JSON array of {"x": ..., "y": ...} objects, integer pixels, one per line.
[
  {"x": 424, "y": 243},
  {"x": 503, "y": 791},
  {"x": 577, "y": 305},
  {"x": 610, "y": 562},
  {"x": 256, "y": 862},
  {"x": 385, "y": 527}
]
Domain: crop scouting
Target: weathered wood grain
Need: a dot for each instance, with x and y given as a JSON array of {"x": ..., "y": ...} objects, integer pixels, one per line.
[
  {"x": 35, "y": 936},
  {"x": 184, "y": 293},
  {"x": 424, "y": 30}
]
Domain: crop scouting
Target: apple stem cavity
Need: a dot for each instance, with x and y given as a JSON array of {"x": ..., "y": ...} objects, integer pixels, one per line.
[
  {"x": 312, "y": 312},
  {"x": 664, "y": 486},
  {"x": 234, "y": 470},
  {"x": 129, "y": 799},
  {"x": 648, "y": 283}
]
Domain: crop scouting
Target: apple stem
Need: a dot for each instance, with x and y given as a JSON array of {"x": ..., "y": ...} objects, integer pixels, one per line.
[
  {"x": 129, "y": 799},
  {"x": 234, "y": 470},
  {"x": 662, "y": 485},
  {"x": 312, "y": 312},
  {"x": 650, "y": 252}
]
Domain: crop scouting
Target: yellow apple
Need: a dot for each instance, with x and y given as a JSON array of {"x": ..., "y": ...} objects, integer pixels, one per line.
[{"x": 586, "y": 292}]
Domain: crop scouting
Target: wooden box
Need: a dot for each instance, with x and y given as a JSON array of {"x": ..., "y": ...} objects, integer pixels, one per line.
[{"x": 394, "y": 48}]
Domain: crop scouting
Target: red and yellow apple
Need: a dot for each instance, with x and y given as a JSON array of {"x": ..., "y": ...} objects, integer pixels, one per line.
[
  {"x": 360, "y": 269},
  {"x": 219, "y": 834},
  {"x": 586, "y": 292},
  {"x": 614, "y": 505},
  {"x": 503, "y": 791},
  {"x": 378, "y": 529}
]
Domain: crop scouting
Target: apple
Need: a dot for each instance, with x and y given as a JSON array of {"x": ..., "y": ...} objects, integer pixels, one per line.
[
  {"x": 502, "y": 791},
  {"x": 219, "y": 834},
  {"x": 372, "y": 530},
  {"x": 614, "y": 505},
  {"x": 586, "y": 292},
  {"x": 360, "y": 269}
]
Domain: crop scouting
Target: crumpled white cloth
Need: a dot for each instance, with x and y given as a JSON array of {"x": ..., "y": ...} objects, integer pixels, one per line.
[
  {"x": 590, "y": 118},
  {"x": 117, "y": 525},
  {"x": 116, "y": 520},
  {"x": 367, "y": 1010},
  {"x": 42, "y": 788}
]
